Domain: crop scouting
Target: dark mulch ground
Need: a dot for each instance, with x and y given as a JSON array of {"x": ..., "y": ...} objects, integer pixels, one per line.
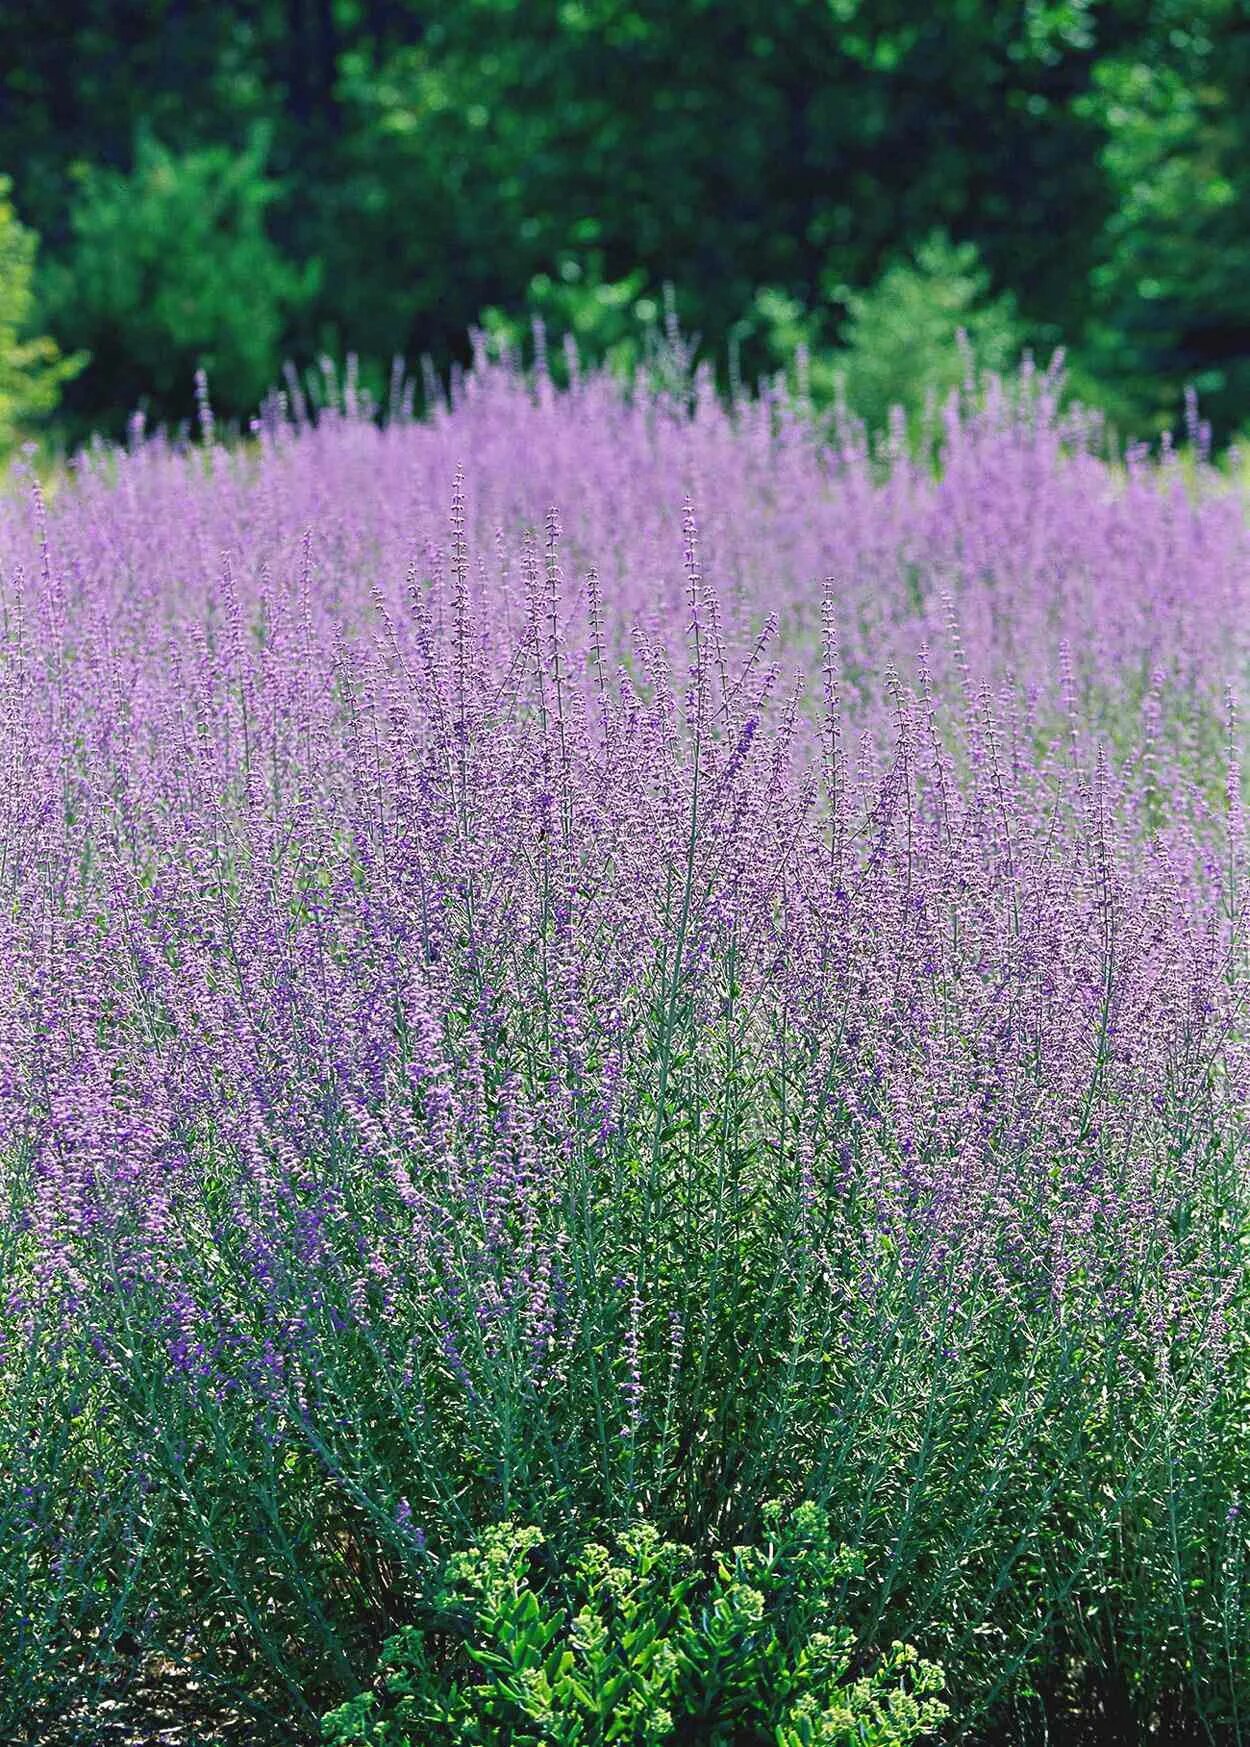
[{"x": 156, "y": 1708}]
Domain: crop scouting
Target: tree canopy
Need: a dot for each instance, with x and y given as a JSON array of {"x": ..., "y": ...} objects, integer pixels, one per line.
[{"x": 229, "y": 183}]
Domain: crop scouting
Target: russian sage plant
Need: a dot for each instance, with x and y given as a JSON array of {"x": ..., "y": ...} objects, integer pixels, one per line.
[{"x": 730, "y": 990}]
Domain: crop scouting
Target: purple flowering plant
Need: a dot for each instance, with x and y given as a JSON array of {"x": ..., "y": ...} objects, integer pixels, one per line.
[{"x": 729, "y": 988}]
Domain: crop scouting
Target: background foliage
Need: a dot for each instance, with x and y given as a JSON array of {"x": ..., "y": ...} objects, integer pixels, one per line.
[
  {"x": 31, "y": 367},
  {"x": 170, "y": 268},
  {"x": 231, "y": 184}
]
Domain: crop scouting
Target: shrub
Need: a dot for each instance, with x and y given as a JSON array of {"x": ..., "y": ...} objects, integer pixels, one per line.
[
  {"x": 617, "y": 325},
  {"x": 636, "y": 1644},
  {"x": 478, "y": 1036},
  {"x": 170, "y": 270},
  {"x": 32, "y": 370},
  {"x": 919, "y": 333},
  {"x": 902, "y": 337}
]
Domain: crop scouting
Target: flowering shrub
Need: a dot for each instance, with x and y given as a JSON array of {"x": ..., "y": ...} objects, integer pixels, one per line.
[{"x": 575, "y": 1017}]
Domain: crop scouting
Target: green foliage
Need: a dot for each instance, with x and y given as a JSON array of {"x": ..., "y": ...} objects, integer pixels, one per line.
[
  {"x": 579, "y": 318},
  {"x": 1170, "y": 299},
  {"x": 636, "y": 1643},
  {"x": 911, "y": 337},
  {"x": 902, "y": 337},
  {"x": 440, "y": 160},
  {"x": 171, "y": 270},
  {"x": 778, "y": 148},
  {"x": 32, "y": 369},
  {"x": 615, "y": 322}
]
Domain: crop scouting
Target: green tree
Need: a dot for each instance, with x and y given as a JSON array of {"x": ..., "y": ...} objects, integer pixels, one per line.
[
  {"x": 908, "y": 338},
  {"x": 170, "y": 270},
  {"x": 32, "y": 369},
  {"x": 902, "y": 337},
  {"x": 441, "y": 159},
  {"x": 617, "y": 322},
  {"x": 721, "y": 146},
  {"x": 1172, "y": 286}
]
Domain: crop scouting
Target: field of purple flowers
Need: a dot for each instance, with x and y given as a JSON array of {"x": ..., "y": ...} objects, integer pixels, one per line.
[{"x": 600, "y": 956}]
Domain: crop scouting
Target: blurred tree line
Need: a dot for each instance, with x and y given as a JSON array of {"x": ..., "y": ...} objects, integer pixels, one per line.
[{"x": 231, "y": 183}]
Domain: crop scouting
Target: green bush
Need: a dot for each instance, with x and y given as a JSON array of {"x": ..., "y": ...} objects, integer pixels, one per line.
[
  {"x": 170, "y": 271},
  {"x": 1168, "y": 288},
  {"x": 911, "y": 336},
  {"x": 610, "y": 320},
  {"x": 636, "y": 1643},
  {"x": 902, "y": 337},
  {"x": 914, "y": 336},
  {"x": 32, "y": 369},
  {"x": 620, "y": 323}
]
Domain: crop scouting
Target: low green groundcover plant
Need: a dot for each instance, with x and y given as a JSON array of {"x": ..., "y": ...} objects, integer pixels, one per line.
[{"x": 637, "y": 1643}]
